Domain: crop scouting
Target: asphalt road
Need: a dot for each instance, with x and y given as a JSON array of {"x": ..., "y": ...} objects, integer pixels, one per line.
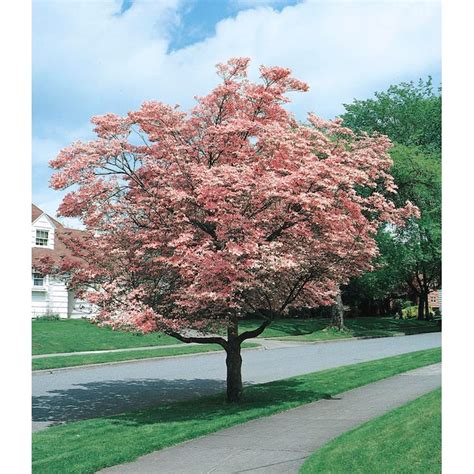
[{"x": 81, "y": 393}]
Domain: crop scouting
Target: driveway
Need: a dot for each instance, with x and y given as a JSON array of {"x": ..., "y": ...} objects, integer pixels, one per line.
[{"x": 88, "y": 392}]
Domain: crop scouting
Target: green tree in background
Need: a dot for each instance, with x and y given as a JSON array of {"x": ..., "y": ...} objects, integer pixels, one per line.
[
  {"x": 408, "y": 113},
  {"x": 410, "y": 258}
]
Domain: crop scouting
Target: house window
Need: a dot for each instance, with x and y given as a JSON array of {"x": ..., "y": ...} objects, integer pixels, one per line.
[
  {"x": 42, "y": 237},
  {"x": 38, "y": 279}
]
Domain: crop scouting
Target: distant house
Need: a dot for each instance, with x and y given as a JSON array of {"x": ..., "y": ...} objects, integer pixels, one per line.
[
  {"x": 50, "y": 294},
  {"x": 434, "y": 299}
]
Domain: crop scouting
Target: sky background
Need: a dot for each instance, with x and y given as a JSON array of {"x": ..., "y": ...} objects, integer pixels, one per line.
[{"x": 93, "y": 57}]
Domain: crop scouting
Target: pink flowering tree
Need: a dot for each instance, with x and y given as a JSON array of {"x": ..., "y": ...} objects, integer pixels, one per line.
[{"x": 196, "y": 219}]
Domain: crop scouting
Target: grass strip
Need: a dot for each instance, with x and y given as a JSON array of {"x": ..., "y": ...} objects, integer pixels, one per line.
[
  {"x": 406, "y": 440},
  {"x": 317, "y": 329},
  {"x": 76, "y": 335},
  {"x": 89, "y": 445},
  {"x": 74, "y": 361}
]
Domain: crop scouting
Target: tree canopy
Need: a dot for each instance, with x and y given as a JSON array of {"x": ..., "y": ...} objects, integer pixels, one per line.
[{"x": 196, "y": 218}]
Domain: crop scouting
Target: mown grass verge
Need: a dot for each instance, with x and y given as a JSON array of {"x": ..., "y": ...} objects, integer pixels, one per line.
[
  {"x": 76, "y": 335},
  {"x": 406, "y": 440},
  {"x": 316, "y": 329},
  {"x": 89, "y": 445},
  {"x": 78, "y": 360}
]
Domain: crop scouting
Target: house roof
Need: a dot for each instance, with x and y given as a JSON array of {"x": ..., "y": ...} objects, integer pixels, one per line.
[
  {"x": 35, "y": 212},
  {"x": 60, "y": 250}
]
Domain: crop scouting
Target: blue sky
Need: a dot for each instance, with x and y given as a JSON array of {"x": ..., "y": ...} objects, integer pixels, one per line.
[{"x": 93, "y": 57}]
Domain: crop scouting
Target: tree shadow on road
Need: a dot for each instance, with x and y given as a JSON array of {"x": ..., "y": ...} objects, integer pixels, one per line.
[
  {"x": 96, "y": 399},
  {"x": 148, "y": 400}
]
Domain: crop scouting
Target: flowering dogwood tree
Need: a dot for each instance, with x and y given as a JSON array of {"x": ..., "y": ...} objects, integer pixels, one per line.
[{"x": 195, "y": 219}]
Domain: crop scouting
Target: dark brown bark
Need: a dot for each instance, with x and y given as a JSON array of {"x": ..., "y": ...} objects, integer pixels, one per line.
[
  {"x": 256, "y": 332},
  {"x": 234, "y": 364},
  {"x": 234, "y": 359},
  {"x": 422, "y": 297},
  {"x": 337, "y": 314},
  {"x": 200, "y": 340},
  {"x": 427, "y": 308}
]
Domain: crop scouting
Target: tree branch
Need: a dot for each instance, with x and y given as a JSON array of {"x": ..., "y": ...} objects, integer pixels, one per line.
[
  {"x": 207, "y": 227},
  {"x": 199, "y": 340},
  {"x": 295, "y": 291},
  {"x": 256, "y": 332},
  {"x": 277, "y": 232}
]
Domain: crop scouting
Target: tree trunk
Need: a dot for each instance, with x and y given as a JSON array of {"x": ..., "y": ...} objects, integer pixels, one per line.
[
  {"x": 234, "y": 364},
  {"x": 234, "y": 373},
  {"x": 337, "y": 314},
  {"x": 421, "y": 306},
  {"x": 232, "y": 348},
  {"x": 427, "y": 309}
]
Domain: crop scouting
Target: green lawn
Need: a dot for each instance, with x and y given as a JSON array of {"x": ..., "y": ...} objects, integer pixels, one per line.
[
  {"x": 89, "y": 445},
  {"x": 76, "y": 335},
  {"x": 405, "y": 440},
  {"x": 75, "y": 360},
  {"x": 315, "y": 329}
]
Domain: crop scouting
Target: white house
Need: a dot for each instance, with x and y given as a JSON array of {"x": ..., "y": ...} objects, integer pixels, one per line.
[{"x": 50, "y": 294}]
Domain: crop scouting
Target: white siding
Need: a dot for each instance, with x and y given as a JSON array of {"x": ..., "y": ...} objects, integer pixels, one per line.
[
  {"x": 79, "y": 308},
  {"x": 53, "y": 300},
  {"x": 57, "y": 295},
  {"x": 39, "y": 297},
  {"x": 39, "y": 303}
]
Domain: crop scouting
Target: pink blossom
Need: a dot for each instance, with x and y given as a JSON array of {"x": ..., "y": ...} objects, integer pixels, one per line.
[{"x": 231, "y": 208}]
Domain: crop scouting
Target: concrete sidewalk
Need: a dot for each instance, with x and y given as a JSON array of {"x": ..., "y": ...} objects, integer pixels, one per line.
[{"x": 281, "y": 443}]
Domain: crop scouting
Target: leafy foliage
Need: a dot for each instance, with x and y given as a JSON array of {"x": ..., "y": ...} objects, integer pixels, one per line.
[
  {"x": 408, "y": 113},
  {"x": 196, "y": 219},
  {"x": 410, "y": 257}
]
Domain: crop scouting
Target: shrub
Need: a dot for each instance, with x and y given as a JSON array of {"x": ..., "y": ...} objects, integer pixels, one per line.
[
  {"x": 410, "y": 312},
  {"x": 48, "y": 317}
]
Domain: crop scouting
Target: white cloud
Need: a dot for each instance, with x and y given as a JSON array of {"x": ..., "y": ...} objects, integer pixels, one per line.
[
  {"x": 256, "y": 3},
  {"x": 87, "y": 60},
  {"x": 84, "y": 51}
]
